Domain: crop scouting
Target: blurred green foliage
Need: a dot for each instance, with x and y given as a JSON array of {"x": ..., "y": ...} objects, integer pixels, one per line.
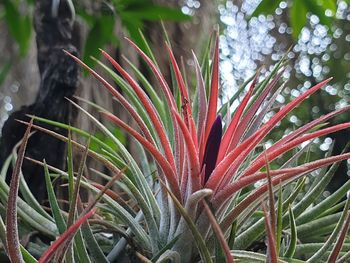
[
  {"x": 19, "y": 23},
  {"x": 133, "y": 14},
  {"x": 324, "y": 9}
]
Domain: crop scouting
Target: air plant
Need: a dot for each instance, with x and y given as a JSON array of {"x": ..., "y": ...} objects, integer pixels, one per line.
[{"x": 210, "y": 171}]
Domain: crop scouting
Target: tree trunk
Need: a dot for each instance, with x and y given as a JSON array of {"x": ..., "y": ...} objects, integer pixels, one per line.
[{"x": 58, "y": 80}]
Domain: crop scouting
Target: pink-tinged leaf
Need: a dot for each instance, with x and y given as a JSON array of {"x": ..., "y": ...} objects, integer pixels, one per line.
[
  {"x": 291, "y": 105},
  {"x": 307, "y": 127},
  {"x": 192, "y": 154},
  {"x": 281, "y": 175},
  {"x": 158, "y": 156},
  {"x": 265, "y": 129},
  {"x": 12, "y": 237},
  {"x": 230, "y": 132},
  {"x": 219, "y": 234},
  {"x": 202, "y": 99},
  {"x": 148, "y": 107},
  {"x": 258, "y": 120},
  {"x": 336, "y": 250},
  {"x": 212, "y": 149},
  {"x": 58, "y": 136},
  {"x": 168, "y": 96},
  {"x": 180, "y": 153},
  {"x": 117, "y": 95},
  {"x": 248, "y": 117},
  {"x": 213, "y": 97},
  {"x": 231, "y": 216},
  {"x": 163, "y": 84},
  {"x": 184, "y": 182},
  {"x": 271, "y": 197},
  {"x": 185, "y": 99},
  {"x": 259, "y": 162},
  {"x": 66, "y": 236},
  {"x": 271, "y": 242}
]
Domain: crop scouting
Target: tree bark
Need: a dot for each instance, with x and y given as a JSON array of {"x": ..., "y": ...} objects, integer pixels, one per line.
[{"x": 58, "y": 80}]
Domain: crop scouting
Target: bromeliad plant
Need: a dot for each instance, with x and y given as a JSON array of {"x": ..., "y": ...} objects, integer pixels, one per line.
[{"x": 204, "y": 173}]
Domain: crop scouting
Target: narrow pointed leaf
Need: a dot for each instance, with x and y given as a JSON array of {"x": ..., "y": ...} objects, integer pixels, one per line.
[
  {"x": 273, "y": 258},
  {"x": 279, "y": 221},
  {"x": 61, "y": 224},
  {"x": 218, "y": 232},
  {"x": 293, "y": 236},
  {"x": 67, "y": 235},
  {"x": 316, "y": 257},
  {"x": 13, "y": 245},
  {"x": 205, "y": 254},
  {"x": 148, "y": 107},
  {"x": 336, "y": 250}
]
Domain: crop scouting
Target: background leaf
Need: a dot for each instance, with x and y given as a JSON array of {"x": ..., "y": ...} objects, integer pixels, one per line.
[
  {"x": 266, "y": 7},
  {"x": 298, "y": 18},
  {"x": 20, "y": 26}
]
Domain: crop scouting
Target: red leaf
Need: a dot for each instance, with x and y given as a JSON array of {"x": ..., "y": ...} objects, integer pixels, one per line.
[
  {"x": 163, "y": 84},
  {"x": 202, "y": 100},
  {"x": 12, "y": 238},
  {"x": 222, "y": 167},
  {"x": 230, "y": 132},
  {"x": 158, "y": 156},
  {"x": 243, "y": 125},
  {"x": 117, "y": 95},
  {"x": 259, "y": 162},
  {"x": 291, "y": 105},
  {"x": 192, "y": 154},
  {"x": 271, "y": 244},
  {"x": 306, "y": 127},
  {"x": 336, "y": 250},
  {"x": 66, "y": 236},
  {"x": 148, "y": 107},
  {"x": 277, "y": 175},
  {"x": 219, "y": 234}
]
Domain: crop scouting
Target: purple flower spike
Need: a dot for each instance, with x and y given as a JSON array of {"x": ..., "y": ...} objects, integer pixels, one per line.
[{"x": 212, "y": 148}]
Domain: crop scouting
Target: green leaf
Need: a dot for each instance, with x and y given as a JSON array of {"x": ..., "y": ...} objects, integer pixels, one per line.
[
  {"x": 156, "y": 13},
  {"x": 20, "y": 26},
  {"x": 27, "y": 257},
  {"x": 165, "y": 248},
  {"x": 56, "y": 211},
  {"x": 298, "y": 17},
  {"x": 4, "y": 71},
  {"x": 293, "y": 236},
  {"x": 80, "y": 248},
  {"x": 248, "y": 256},
  {"x": 70, "y": 166},
  {"x": 319, "y": 10},
  {"x": 94, "y": 248},
  {"x": 333, "y": 236},
  {"x": 329, "y": 4},
  {"x": 203, "y": 249},
  {"x": 279, "y": 220},
  {"x": 133, "y": 26},
  {"x": 266, "y": 7},
  {"x": 99, "y": 35}
]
